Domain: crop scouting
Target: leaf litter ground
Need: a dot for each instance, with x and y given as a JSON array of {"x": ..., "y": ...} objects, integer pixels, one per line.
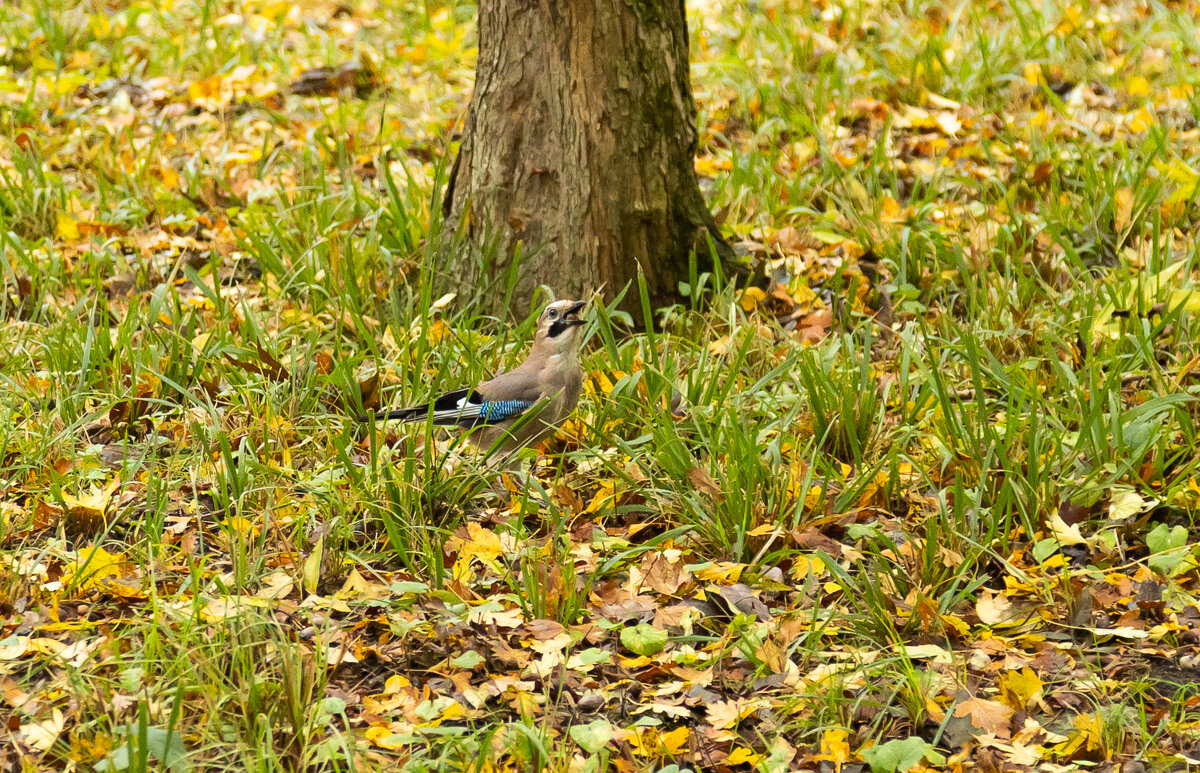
[{"x": 927, "y": 501}]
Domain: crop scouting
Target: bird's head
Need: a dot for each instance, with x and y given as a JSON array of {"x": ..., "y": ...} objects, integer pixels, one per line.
[{"x": 559, "y": 326}]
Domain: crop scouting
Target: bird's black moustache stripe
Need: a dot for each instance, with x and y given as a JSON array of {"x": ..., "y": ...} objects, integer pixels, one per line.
[{"x": 557, "y": 327}]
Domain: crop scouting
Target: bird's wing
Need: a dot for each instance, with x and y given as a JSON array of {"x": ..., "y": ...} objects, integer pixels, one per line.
[
  {"x": 473, "y": 410},
  {"x": 517, "y": 384},
  {"x": 505, "y": 397}
]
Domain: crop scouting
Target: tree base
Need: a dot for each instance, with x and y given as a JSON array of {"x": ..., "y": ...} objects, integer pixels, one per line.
[{"x": 577, "y": 155}]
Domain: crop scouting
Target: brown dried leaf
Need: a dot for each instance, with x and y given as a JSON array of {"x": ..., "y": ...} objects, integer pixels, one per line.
[
  {"x": 993, "y": 608},
  {"x": 815, "y": 326},
  {"x": 542, "y": 630},
  {"x": 662, "y": 574},
  {"x": 705, "y": 484},
  {"x": 739, "y": 598},
  {"x": 988, "y": 716}
]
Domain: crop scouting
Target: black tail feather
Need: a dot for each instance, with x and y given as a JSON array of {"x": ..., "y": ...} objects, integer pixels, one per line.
[{"x": 415, "y": 413}]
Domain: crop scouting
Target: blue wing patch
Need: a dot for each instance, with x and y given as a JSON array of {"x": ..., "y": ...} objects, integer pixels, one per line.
[{"x": 501, "y": 410}]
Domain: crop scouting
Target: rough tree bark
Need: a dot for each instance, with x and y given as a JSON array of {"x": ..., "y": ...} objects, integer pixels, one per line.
[{"x": 578, "y": 146}]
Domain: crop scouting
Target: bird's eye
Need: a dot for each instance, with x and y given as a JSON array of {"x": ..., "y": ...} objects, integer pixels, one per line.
[{"x": 552, "y": 313}]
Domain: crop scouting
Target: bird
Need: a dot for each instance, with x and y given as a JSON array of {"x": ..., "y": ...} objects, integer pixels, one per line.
[{"x": 522, "y": 406}]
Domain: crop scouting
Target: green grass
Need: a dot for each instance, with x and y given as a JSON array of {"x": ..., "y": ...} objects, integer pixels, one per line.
[{"x": 207, "y": 563}]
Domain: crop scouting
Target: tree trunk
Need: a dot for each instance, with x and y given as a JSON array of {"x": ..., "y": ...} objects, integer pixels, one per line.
[{"x": 578, "y": 149}]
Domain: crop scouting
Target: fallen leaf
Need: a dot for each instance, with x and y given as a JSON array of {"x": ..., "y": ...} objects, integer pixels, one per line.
[
  {"x": 1065, "y": 534},
  {"x": 644, "y": 639},
  {"x": 1020, "y": 689},
  {"x": 1122, "y": 209},
  {"x": 593, "y": 736},
  {"x": 42, "y": 735},
  {"x": 989, "y": 716},
  {"x": 705, "y": 483},
  {"x": 663, "y": 572},
  {"x": 993, "y": 608},
  {"x": 815, "y": 326}
]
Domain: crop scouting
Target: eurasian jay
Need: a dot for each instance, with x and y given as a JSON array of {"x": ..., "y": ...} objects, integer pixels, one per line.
[{"x": 524, "y": 405}]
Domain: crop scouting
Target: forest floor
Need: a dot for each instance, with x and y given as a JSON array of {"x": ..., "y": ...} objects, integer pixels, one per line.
[{"x": 927, "y": 503}]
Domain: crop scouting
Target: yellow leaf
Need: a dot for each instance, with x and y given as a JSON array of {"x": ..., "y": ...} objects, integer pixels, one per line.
[
  {"x": 487, "y": 614},
  {"x": 889, "y": 210},
  {"x": 720, "y": 347},
  {"x": 956, "y": 623},
  {"x": 205, "y": 89},
  {"x": 1056, "y": 561},
  {"x": 95, "y": 566},
  {"x": 720, "y": 573},
  {"x": 276, "y": 585},
  {"x": 1138, "y": 86},
  {"x": 453, "y": 711},
  {"x": 1123, "y": 204},
  {"x": 804, "y": 150},
  {"x": 1088, "y": 736},
  {"x": 243, "y": 526},
  {"x": 99, "y": 25},
  {"x": 1064, "y": 533},
  {"x": 742, "y": 756},
  {"x": 710, "y": 166},
  {"x": 1021, "y": 688},
  {"x": 484, "y": 544},
  {"x": 439, "y": 331},
  {"x": 169, "y": 177},
  {"x": 948, "y": 122},
  {"x": 751, "y": 297},
  {"x": 312, "y": 566},
  {"x": 605, "y": 496},
  {"x": 1151, "y": 288},
  {"x": 1142, "y": 120},
  {"x": 1179, "y": 172},
  {"x": 603, "y": 383},
  {"x": 44, "y": 645},
  {"x": 648, "y": 742},
  {"x": 66, "y": 227},
  {"x": 92, "y": 505},
  {"x": 1190, "y": 494},
  {"x": 804, "y": 567},
  {"x": 834, "y": 748},
  {"x": 385, "y": 738}
]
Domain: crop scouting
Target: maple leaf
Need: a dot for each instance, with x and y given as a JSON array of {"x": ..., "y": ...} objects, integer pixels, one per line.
[
  {"x": 988, "y": 716},
  {"x": 1021, "y": 688},
  {"x": 42, "y": 735},
  {"x": 834, "y": 748},
  {"x": 994, "y": 608}
]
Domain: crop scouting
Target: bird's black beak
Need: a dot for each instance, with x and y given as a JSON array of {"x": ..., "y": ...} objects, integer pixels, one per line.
[{"x": 569, "y": 315}]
